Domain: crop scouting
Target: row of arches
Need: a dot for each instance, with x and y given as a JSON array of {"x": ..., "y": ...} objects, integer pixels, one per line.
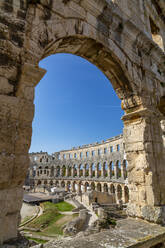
[
  {"x": 96, "y": 170},
  {"x": 121, "y": 191}
]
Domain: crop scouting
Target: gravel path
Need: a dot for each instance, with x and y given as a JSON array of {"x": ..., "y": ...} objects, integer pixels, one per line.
[{"x": 28, "y": 210}]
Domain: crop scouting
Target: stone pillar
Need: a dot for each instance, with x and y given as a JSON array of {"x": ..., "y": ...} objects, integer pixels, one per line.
[
  {"x": 122, "y": 171},
  {"x": 16, "y": 115},
  {"x": 61, "y": 172},
  {"x": 90, "y": 170},
  {"x": 78, "y": 171},
  {"x": 67, "y": 171},
  {"x": 144, "y": 152},
  {"x": 96, "y": 171},
  {"x": 109, "y": 171},
  {"x": 72, "y": 171},
  {"x": 102, "y": 171}
]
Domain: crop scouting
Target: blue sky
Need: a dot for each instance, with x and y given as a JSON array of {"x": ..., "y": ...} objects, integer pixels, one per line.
[{"x": 75, "y": 104}]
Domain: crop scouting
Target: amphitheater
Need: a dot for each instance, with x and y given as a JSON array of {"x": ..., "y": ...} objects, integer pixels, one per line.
[{"x": 100, "y": 166}]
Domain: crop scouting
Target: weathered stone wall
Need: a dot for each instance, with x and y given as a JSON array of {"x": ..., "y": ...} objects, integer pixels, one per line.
[{"x": 125, "y": 39}]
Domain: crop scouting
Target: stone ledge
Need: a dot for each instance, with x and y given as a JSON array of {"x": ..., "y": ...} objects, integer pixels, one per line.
[{"x": 128, "y": 233}]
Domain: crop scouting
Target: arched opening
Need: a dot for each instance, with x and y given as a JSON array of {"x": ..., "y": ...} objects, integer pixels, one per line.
[
  {"x": 63, "y": 184},
  {"x": 74, "y": 187},
  {"x": 45, "y": 183},
  {"x": 69, "y": 171},
  {"x": 112, "y": 189},
  {"x": 86, "y": 170},
  {"x": 57, "y": 183},
  {"x": 52, "y": 171},
  {"x": 119, "y": 192},
  {"x": 58, "y": 171},
  {"x": 105, "y": 187},
  {"x": 86, "y": 186},
  {"x": 81, "y": 170},
  {"x": 75, "y": 168},
  {"x": 93, "y": 170},
  {"x": 38, "y": 182},
  {"x": 63, "y": 171},
  {"x": 99, "y": 187},
  {"x": 92, "y": 186},
  {"x": 68, "y": 186},
  {"x": 126, "y": 194},
  {"x": 51, "y": 183}
]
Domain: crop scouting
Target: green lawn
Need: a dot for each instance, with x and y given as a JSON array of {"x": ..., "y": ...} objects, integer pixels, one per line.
[
  {"x": 52, "y": 221},
  {"x": 64, "y": 206}
]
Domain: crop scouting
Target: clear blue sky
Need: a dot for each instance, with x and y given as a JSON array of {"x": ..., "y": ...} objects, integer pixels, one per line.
[{"x": 75, "y": 104}]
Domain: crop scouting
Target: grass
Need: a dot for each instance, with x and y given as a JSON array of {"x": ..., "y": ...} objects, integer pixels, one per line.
[
  {"x": 64, "y": 206},
  {"x": 49, "y": 216},
  {"x": 26, "y": 219},
  {"x": 51, "y": 221},
  {"x": 39, "y": 241}
]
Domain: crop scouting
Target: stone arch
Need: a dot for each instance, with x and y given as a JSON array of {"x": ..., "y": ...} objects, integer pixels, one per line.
[
  {"x": 63, "y": 171},
  {"x": 112, "y": 189},
  {"x": 51, "y": 183},
  {"x": 45, "y": 183},
  {"x": 39, "y": 182},
  {"x": 105, "y": 187},
  {"x": 86, "y": 185},
  {"x": 119, "y": 192},
  {"x": 81, "y": 170},
  {"x": 86, "y": 169},
  {"x": 49, "y": 32},
  {"x": 63, "y": 184},
  {"x": 92, "y": 185},
  {"x": 58, "y": 171},
  {"x": 74, "y": 186},
  {"x": 69, "y": 171},
  {"x": 126, "y": 194},
  {"x": 99, "y": 187},
  {"x": 75, "y": 168},
  {"x": 52, "y": 171},
  {"x": 68, "y": 186},
  {"x": 79, "y": 184},
  {"x": 57, "y": 184},
  {"x": 93, "y": 170}
]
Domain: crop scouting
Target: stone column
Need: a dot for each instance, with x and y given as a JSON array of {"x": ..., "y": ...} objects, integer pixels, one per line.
[
  {"x": 90, "y": 170},
  {"x": 72, "y": 171},
  {"x": 78, "y": 171},
  {"x": 109, "y": 171},
  {"x": 115, "y": 171},
  {"x": 96, "y": 171},
  {"x": 122, "y": 171},
  {"x": 144, "y": 152},
  {"x": 67, "y": 171},
  {"x": 16, "y": 115},
  {"x": 102, "y": 170},
  {"x": 61, "y": 171}
]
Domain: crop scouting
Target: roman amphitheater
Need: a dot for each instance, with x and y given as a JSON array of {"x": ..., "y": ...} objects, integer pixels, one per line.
[
  {"x": 100, "y": 166},
  {"x": 125, "y": 39}
]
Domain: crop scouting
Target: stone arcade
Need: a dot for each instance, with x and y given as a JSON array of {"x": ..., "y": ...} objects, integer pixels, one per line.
[
  {"x": 125, "y": 39},
  {"x": 100, "y": 166}
]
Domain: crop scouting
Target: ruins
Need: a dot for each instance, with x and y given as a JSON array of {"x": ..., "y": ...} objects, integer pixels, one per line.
[
  {"x": 100, "y": 166},
  {"x": 125, "y": 40}
]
